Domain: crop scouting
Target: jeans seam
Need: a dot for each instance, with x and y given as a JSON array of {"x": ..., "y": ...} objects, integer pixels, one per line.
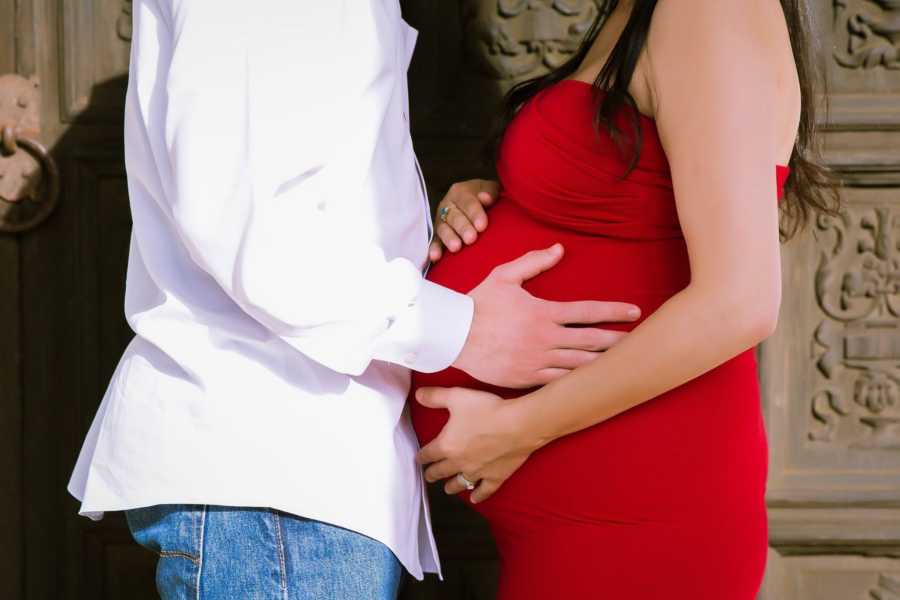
[
  {"x": 177, "y": 554},
  {"x": 279, "y": 547},
  {"x": 200, "y": 538}
]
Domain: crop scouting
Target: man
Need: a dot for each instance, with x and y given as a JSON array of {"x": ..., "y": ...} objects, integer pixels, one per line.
[{"x": 255, "y": 428}]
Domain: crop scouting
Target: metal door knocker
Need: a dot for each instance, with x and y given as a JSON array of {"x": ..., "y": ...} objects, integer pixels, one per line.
[{"x": 29, "y": 177}]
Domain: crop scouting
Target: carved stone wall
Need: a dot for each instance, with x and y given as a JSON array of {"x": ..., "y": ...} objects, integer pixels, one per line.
[
  {"x": 867, "y": 34},
  {"x": 856, "y": 404},
  {"x": 515, "y": 39},
  {"x": 831, "y": 373},
  {"x": 860, "y": 47},
  {"x": 839, "y": 576}
]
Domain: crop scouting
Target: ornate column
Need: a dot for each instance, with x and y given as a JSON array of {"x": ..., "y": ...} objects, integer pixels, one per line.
[{"x": 831, "y": 374}]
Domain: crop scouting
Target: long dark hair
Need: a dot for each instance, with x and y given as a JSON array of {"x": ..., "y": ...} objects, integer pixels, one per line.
[{"x": 811, "y": 187}]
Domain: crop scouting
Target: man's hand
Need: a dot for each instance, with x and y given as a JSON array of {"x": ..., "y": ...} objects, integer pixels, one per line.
[
  {"x": 464, "y": 215},
  {"x": 519, "y": 341}
]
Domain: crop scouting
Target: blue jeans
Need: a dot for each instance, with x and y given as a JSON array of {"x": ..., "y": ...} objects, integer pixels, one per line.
[{"x": 223, "y": 553}]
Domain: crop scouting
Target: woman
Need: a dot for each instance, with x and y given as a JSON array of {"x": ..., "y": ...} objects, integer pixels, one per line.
[{"x": 657, "y": 156}]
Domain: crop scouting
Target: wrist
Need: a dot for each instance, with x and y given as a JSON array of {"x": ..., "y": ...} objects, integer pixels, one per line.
[
  {"x": 463, "y": 358},
  {"x": 527, "y": 423}
]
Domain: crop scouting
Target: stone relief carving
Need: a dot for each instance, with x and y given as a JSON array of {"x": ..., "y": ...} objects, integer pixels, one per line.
[
  {"x": 123, "y": 23},
  {"x": 867, "y": 33},
  {"x": 888, "y": 588},
  {"x": 514, "y": 39},
  {"x": 856, "y": 345}
]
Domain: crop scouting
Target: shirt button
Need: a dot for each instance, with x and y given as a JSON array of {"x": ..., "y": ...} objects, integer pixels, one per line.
[{"x": 321, "y": 206}]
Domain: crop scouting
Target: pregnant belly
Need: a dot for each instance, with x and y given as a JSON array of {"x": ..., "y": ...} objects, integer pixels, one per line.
[
  {"x": 645, "y": 273},
  {"x": 593, "y": 267},
  {"x": 699, "y": 445}
]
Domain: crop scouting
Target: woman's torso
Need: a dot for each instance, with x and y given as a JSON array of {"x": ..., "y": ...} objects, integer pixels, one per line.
[{"x": 562, "y": 182}]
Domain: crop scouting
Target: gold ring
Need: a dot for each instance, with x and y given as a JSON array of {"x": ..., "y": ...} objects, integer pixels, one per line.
[{"x": 443, "y": 212}]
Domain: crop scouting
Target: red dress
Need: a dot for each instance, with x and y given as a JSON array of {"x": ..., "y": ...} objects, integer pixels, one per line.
[{"x": 666, "y": 500}]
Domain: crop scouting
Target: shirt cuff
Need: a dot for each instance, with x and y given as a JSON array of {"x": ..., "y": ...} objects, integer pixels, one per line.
[{"x": 430, "y": 334}]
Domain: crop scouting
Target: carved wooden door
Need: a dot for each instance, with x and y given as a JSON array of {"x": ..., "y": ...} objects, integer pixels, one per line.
[
  {"x": 61, "y": 287},
  {"x": 61, "y": 292},
  {"x": 831, "y": 374}
]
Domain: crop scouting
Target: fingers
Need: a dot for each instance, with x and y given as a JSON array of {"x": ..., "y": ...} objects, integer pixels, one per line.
[
  {"x": 475, "y": 216},
  {"x": 433, "y": 397},
  {"x": 448, "y": 237},
  {"x": 571, "y": 359},
  {"x": 460, "y": 221},
  {"x": 443, "y": 469},
  {"x": 464, "y": 211},
  {"x": 530, "y": 264},
  {"x": 485, "y": 490},
  {"x": 587, "y": 338},
  {"x": 453, "y": 486},
  {"x": 590, "y": 312},
  {"x": 435, "y": 251},
  {"x": 430, "y": 453},
  {"x": 473, "y": 204},
  {"x": 489, "y": 191}
]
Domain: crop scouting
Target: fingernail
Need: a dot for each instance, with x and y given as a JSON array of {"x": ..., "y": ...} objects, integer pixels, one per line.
[
  {"x": 419, "y": 394},
  {"x": 634, "y": 313}
]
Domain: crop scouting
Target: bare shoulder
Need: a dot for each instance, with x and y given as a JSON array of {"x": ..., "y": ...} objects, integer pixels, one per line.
[
  {"x": 739, "y": 45},
  {"x": 722, "y": 25}
]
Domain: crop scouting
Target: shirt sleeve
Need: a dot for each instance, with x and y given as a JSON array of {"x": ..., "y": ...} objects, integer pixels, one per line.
[{"x": 260, "y": 108}]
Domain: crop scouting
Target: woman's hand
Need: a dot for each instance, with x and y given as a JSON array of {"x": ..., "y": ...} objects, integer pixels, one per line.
[
  {"x": 461, "y": 215},
  {"x": 483, "y": 440}
]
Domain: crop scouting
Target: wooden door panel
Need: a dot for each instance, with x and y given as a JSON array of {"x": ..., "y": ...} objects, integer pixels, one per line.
[
  {"x": 98, "y": 552},
  {"x": 95, "y": 40},
  {"x": 12, "y": 530}
]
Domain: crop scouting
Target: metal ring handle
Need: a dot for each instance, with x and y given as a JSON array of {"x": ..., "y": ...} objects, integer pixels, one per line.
[
  {"x": 8, "y": 137},
  {"x": 50, "y": 184}
]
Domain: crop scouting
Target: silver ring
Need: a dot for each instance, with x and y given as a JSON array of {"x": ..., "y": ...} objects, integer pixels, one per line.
[
  {"x": 465, "y": 482},
  {"x": 443, "y": 212}
]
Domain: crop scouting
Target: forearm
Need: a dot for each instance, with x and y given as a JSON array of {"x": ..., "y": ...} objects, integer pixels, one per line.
[
  {"x": 287, "y": 232},
  {"x": 687, "y": 336}
]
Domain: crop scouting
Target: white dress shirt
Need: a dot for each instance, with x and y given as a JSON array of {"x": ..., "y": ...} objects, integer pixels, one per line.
[{"x": 275, "y": 271}]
